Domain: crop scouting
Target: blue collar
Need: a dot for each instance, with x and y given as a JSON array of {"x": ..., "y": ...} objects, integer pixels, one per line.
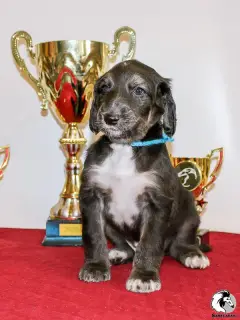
[{"x": 164, "y": 139}]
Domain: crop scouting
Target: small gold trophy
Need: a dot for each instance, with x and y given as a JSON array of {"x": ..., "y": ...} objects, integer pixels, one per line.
[
  {"x": 6, "y": 156},
  {"x": 67, "y": 72},
  {"x": 196, "y": 176}
]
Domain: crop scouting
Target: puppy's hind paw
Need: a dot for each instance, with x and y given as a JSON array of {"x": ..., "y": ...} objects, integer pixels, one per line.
[
  {"x": 197, "y": 262},
  {"x": 117, "y": 256},
  {"x": 94, "y": 272}
]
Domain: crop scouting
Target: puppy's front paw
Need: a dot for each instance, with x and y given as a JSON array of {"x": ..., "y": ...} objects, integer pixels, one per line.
[
  {"x": 143, "y": 282},
  {"x": 94, "y": 272}
]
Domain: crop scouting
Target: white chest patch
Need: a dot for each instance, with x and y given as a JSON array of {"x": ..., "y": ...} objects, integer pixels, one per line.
[{"x": 118, "y": 173}]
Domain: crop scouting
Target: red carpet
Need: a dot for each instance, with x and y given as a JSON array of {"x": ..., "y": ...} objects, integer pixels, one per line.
[{"x": 41, "y": 283}]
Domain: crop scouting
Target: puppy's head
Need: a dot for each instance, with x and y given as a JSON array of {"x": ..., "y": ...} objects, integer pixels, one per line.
[{"x": 128, "y": 100}]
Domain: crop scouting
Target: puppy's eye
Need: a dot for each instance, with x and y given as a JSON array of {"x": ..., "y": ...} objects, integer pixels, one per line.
[
  {"x": 104, "y": 88},
  {"x": 139, "y": 91}
]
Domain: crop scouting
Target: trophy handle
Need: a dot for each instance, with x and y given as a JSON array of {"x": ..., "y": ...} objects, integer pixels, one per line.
[
  {"x": 6, "y": 150},
  {"x": 213, "y": 175},
  {"x": 21, "y": 63},
  {"x": 132, "y": 42}
]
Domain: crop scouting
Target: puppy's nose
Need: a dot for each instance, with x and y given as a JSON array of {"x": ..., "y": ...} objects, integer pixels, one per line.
[{"x": 111, "y": 119}]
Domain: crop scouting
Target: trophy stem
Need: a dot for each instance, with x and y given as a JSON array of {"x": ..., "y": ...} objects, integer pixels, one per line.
[{"x": 67, "y": 207}]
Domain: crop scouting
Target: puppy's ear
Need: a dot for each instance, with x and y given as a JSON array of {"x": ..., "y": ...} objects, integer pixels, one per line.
[
  {"x": 93, "y": 115},
  {"x": 169, "y": 117}
]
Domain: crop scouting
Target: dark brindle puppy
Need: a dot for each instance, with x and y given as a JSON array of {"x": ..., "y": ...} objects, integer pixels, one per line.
[{"x": 132, "y": 195}]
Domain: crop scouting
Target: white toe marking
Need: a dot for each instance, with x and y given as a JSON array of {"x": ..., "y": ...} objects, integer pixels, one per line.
[
  {"x": 117, "y": 254},
  {"x": 197, "y": 262},
  {"x": 137, "y": 285},
  {"x": 90, "y": 277}
]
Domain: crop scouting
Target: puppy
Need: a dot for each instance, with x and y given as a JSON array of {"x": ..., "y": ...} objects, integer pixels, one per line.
[{"x": 130, "y": 195}]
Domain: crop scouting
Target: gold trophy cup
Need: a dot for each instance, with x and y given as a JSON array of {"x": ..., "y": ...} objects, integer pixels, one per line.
[
  {"x": 67, "y": 71},
  {"x": 6, "y": 156},
  {"x": 196, "y": 176}
]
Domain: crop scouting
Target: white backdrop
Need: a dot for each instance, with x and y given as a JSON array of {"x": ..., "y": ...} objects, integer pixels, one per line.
[{"x": 195, "y": 42}]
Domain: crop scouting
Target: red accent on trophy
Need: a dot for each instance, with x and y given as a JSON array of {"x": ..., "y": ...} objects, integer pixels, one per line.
[{"x": 70, "y": 107}]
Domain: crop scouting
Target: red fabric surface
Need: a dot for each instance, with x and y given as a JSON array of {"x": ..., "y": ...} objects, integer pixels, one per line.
[{"x": 39, "y": 282}]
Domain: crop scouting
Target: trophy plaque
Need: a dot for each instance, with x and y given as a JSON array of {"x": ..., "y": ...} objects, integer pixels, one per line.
[
  {"x": 67, "y": 71},
  {"x": 196, "y": 176}
]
